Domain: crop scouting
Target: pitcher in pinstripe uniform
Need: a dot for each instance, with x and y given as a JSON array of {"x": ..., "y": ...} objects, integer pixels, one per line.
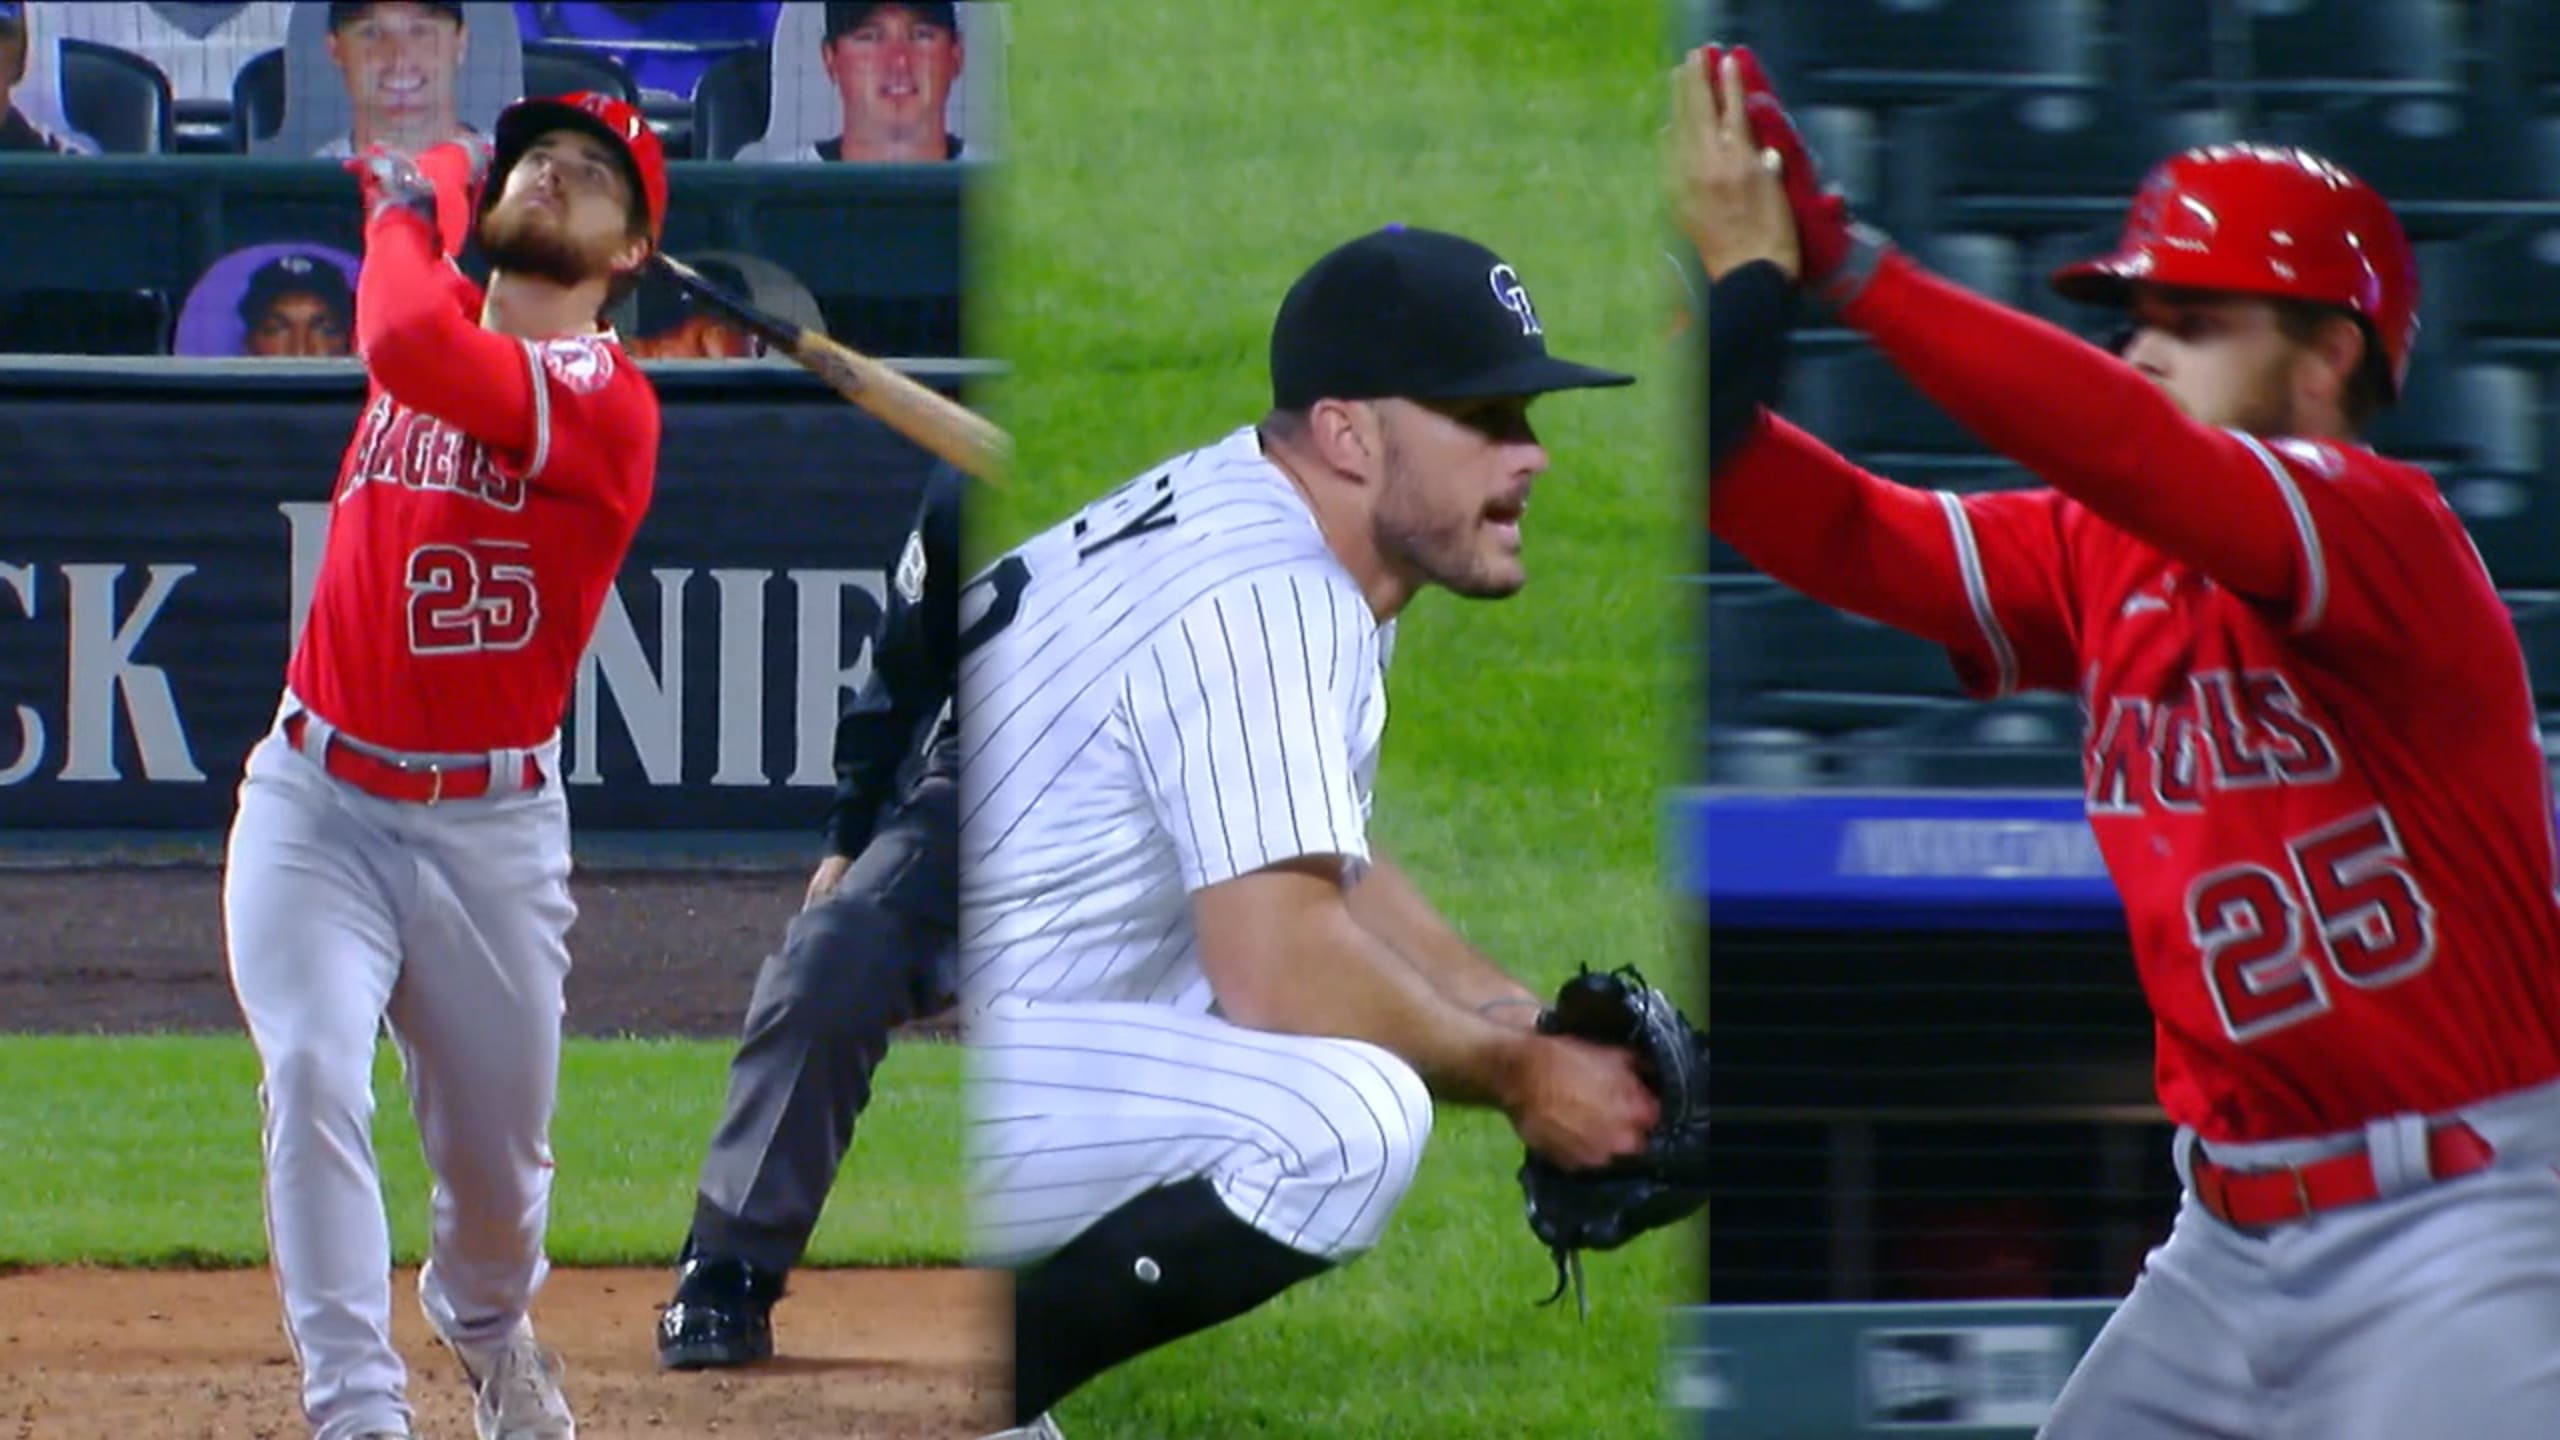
[{"x": 1209, "y": 1020}]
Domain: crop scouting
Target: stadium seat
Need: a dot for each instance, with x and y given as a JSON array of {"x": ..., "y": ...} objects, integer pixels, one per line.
[
  {"x": 2032, "y": 159},
  {"x": 2472, "y": 418},
  {"x": 1764, "y": 757},
  {"x": 257, "y": 100},
  {"x": 1844, "y": 141},
  {"x": 2335, "y": 47},
  {"x": 117, "y": 98},
  {"x": 1860, "y": 405},
  {"x": 1866, "y": 52},
  {"x": 203, "y": 127},
  {"x": 1987, "y": 265},
  {"x": 2515, "y": 520},
  {"x": 2505, "y": 295},
  {"x": 84, "y": 322},
  {"x": 2538, "y": 633},
  {"x": 2448, "y": 164},
  {"x": 2523, "y": 47},
  {"x": 2022, "y": 742},
  {"x": 2168, "y": 49},
  {"x": 1777, "y": 658},
  {"x": 732, "y": 103},
  {"x": 555, "y": 69}
]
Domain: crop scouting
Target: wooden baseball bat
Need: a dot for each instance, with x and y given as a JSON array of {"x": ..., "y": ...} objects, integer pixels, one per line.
[{"x": 938, "y": 423}]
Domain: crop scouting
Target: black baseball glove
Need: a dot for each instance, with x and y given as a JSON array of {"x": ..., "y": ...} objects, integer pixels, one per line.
[{"x": 1571, "y": 1211}]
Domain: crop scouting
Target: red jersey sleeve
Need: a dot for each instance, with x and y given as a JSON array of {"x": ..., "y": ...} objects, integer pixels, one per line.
[
  {"x": 595, "y": 421},
  {"x": 2373, "y": 540},
  {"x": 529, "y": 401},
  {"x": 1986, "y": 576},
  {"x": 2015, "y": 561},
  {"x": 2093, "y": 427}
]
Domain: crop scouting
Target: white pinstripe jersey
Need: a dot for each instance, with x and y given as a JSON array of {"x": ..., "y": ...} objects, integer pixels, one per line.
[
  {"x": 1177, "y": 686},
  {"x": 199, "y": 67}
]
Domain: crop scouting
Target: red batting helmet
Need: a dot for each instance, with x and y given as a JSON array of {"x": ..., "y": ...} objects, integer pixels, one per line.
[
  {"x": 607, "y": 118},
  {"x": 2264, "y": 220}
]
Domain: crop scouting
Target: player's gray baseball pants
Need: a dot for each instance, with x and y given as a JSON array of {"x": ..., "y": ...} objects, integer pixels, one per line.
[
  {"x": 2430, "y": 1314},
  {"x": 868, "y": 958},
  {"x": 342, "y": 911}
]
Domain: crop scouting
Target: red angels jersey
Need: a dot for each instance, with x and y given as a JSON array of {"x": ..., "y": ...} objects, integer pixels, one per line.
[
  {"x": 2331, "y": 822},
  {"x": 462, "y": 577}
]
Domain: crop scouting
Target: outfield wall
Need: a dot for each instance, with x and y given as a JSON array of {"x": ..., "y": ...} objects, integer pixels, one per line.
[{"x": 161, "y": 525}]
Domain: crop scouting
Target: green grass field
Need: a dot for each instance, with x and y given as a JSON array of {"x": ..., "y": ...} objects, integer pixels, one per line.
[
  {"x": 144, "y": 1151},
  {"x": 1173, "y": 168}
]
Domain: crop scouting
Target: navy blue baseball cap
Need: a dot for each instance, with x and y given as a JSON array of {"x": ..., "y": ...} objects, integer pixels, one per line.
[
  {"x": 1416, "y": 315},
  {"x": 842, "y": 17}
]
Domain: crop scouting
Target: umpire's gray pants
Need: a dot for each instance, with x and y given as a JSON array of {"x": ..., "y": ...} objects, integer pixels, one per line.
[{"x": 852, "y": 968}]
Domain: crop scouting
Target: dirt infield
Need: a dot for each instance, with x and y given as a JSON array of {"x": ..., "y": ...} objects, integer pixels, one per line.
[
  {"x": 121, "y": 949},
  {"x": 143, "y": 1355}
]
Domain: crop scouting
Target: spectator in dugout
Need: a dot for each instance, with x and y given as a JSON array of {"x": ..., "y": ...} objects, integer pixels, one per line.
[
  {"x": 19, "y": 132},
  {"x": 665, "y": 44},
  {"x": 667, "y": 323},
  {"x": 297, "y": 306},
  {"x": 892, "y": 66},
  {"x": 199, "y": 47},
  {"x": 402, "y": 64}
]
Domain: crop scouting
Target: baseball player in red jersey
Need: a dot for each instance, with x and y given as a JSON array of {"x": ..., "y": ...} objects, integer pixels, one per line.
[
  {"x": 2311, "y": 763},
  {"x": 401, "y": 849}
]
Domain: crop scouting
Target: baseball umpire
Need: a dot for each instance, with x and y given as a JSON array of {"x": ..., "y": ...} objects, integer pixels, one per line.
[
  {"x": 868, "y": 952},
  {"x": 2311, "y": 762}
]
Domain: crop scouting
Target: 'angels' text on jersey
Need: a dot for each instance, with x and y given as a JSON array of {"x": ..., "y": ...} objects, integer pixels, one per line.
[{"x": 395, "y": 445}]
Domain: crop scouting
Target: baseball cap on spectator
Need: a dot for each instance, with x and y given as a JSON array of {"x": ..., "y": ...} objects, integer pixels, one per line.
[
  {"x": 844, "y": 17},
  {"x": 1415, "y": 315},
  {"x": 660, "y": 304},
  {"x": 340, "y": 14},
  {"x": 296, "y": 275}
]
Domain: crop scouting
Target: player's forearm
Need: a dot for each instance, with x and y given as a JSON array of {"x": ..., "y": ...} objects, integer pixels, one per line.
[
  {"x": 420, "y": 346},
  {"x": 1284, "y": 953},
  {"x": 1387, "y": 903},
  {"x": 1348, "y": 982},
  {"x": 1823, "y": 527},
  {"x": 1748, "y": 315},
  {"x": 2085, "y": 421}
]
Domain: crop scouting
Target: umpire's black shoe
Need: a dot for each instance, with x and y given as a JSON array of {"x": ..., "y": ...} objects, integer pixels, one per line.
[{"x": 721, "y": 1316}]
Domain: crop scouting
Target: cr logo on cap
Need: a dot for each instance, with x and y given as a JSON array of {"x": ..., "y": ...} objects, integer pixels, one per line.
[{"x": 1514, "y": 297}]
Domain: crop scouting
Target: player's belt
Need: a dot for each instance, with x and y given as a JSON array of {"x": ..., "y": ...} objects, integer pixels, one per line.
[
  {"x": 2251, "y": 1198},
  {"x": 416, "y": 779}
]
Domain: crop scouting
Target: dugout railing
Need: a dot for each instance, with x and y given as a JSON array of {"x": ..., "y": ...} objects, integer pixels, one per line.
[{"x": 105, "y": 249}]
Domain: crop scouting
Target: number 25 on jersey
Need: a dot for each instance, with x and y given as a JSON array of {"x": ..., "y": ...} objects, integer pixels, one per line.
[
  {"x": 2350, "y": 912},
  {"x": 468, "y": 598}
]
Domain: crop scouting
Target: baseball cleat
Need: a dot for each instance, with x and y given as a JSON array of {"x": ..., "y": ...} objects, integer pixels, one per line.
[
  {"x": 515, "y": 1388},
  {"x": 1043, "y": 1428},
  {"x": 721, "y": 1316}
]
